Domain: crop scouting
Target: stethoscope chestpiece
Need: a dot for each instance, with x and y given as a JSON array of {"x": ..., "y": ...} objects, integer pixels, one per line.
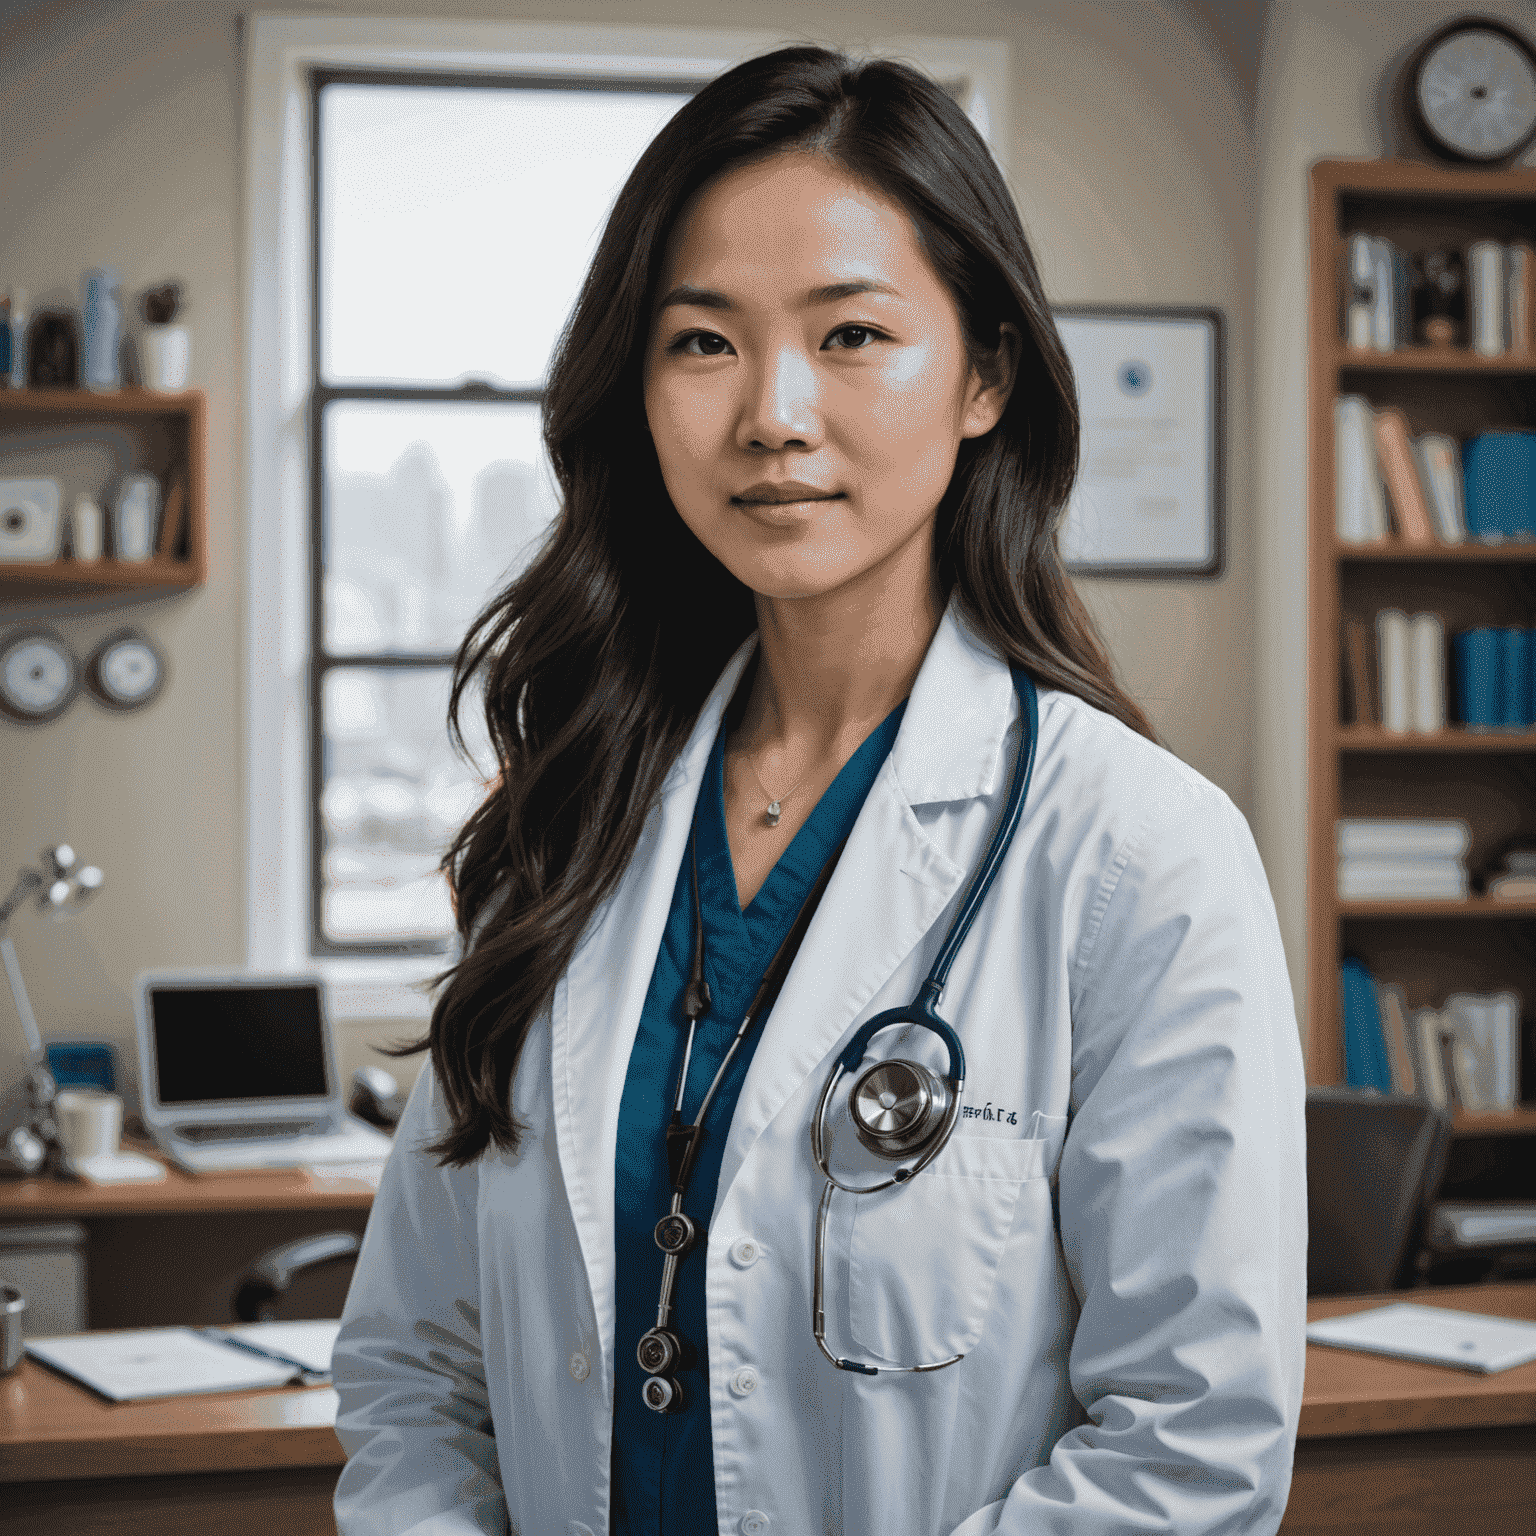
[{"x": 898, "y": 1105}]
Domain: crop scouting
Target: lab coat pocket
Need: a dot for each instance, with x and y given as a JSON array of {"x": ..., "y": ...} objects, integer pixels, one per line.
[{"x": 923, "y": 1257}]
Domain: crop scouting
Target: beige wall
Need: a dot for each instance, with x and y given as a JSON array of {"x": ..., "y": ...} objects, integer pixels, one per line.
[
  {"x": 120, "y": 124},
  {"x": 1318, "y": 98}
]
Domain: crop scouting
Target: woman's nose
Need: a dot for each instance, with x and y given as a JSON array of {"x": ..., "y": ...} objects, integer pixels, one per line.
[{"x": 781, "y": 409}]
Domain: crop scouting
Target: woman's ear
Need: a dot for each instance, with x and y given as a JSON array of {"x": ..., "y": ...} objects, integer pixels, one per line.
[{"x": 992, "y": 382}]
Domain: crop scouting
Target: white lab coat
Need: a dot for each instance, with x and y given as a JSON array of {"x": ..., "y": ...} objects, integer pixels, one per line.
[{"x": 1132, "y": 1061}]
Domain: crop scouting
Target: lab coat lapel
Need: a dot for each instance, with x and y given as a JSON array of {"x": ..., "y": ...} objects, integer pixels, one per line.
[
  {"x": 597, "y": 1004},
  {"x": 893, "y": 881}
]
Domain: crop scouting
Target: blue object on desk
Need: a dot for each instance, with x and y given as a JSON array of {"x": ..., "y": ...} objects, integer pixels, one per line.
[
  {"x": 83, "y": 1064},
  {"x": 1499, "y": 480}
]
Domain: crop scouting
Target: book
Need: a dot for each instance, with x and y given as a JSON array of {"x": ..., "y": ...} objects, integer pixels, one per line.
[
  {"x": 1360, "y": 508},
  {"x": 1392, "y": 655},
  {"x": 1383, "y": 291},
  {"x": 1394, "y": 1023},
  {"x": 1439, "y": 461},
  {"x": 1486, "y": 306},
  {"x": 1359, "y": 693},
  {"x": 1499, "y": 482},
  {"x": 172, "y": 517},
  {"x": 1359, "y": 291},
  {"x": 1385, "y": 879},
  {"x": 1365, "y": 1047},
  {"x": 1424, "y": 1033},
  {"x": 1487, "y": 1049},
  {"x": 138, "y": 1363},
  {"x": 1514, "y": 680},
  {"x": 1520, "y": 288},
  {"x": 1394, "y": 453},
  {"x": 1482, "y": 1224},
  {"x": 1472, "y": 1341},
  {"x": 1402, "y": 837},
  {"x": 1477, "y": 658},
  {"x": 1426, "y": 673}
]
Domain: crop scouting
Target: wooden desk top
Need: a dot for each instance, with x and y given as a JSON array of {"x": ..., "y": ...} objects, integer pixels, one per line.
[
  {"x": 52, "y": 1428},
  {"x": 1349, "y": 1392},
  {"x": 276, "y": 1189}
]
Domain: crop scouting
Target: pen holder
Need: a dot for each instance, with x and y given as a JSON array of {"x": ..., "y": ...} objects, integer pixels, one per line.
[{"x": 13, "y": 1308}]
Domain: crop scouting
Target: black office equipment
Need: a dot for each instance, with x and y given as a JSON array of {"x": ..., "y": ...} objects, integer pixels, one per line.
[{"x": 1373, "y": 1164}]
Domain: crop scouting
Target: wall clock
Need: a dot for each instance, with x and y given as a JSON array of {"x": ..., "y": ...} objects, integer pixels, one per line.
[
  {"x": 1472, "y": 91},
  {"x": 125, "y": 671},
  {"x": 39, "y": 676}
]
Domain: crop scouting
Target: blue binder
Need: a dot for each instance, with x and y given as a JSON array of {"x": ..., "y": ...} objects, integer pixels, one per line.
[
  {"x": 1514, "y": 680},
  {"x": 1476, "y": 656},
  {"x": 1499, "y": 480},
  {"x": 1365, "y": 1043}
]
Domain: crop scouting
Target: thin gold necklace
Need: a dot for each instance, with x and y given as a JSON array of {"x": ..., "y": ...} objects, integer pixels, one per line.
[{"x": 775, "y": 806}]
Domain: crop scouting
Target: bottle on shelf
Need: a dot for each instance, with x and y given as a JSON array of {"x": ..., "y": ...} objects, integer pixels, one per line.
[{"x": 20, "y": 316}]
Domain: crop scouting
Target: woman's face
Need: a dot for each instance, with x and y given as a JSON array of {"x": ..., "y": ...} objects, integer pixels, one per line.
[{"x": 806, "y": 380}]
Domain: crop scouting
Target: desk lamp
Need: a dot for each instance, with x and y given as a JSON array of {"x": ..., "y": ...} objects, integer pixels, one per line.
[{"x": 27, "y": 1129}]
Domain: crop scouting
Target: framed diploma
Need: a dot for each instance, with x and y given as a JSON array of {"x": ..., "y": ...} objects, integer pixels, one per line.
[{"x": 1150, "y": 492}]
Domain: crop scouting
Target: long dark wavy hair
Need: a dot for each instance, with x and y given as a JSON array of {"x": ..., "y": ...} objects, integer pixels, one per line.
[{"x": 596, "y": 660}]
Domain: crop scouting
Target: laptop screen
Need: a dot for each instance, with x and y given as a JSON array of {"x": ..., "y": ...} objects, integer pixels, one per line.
[{"x": 249, "y": 1042}]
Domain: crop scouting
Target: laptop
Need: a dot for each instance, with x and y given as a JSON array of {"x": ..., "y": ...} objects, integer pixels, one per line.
[{"x": 239, "y": 1071}]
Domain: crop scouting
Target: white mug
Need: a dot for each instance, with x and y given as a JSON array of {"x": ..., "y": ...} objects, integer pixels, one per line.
[
  {"x": 168, "y": 356},
  {"x": 90, "y": 1122}
]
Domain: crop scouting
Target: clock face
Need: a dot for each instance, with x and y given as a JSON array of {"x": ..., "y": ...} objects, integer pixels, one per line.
[
  {"x": 1476, "y": 90},
  {"x": 38, "y": 676},
  {"x": 126, "y": 671}
]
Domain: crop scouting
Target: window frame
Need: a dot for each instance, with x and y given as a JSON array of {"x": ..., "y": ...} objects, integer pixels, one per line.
[{"x": 288, "y": 58}]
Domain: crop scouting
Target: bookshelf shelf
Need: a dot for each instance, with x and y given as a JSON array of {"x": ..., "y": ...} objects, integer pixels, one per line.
[
  {"x": 1396, "y": 551},
  {"x": 1431, "y": 949},
  {"x": 162, "y": 433},
  {"x": 1432, "y": 360},
  {"x": 1466, "y": 907},
  {"x": 1512, "y": 1122},
  {"x": 1373, "y": 738}
]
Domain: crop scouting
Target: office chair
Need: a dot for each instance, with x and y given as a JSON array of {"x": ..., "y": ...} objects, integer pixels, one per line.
[
  {"x": 260, "y": 1291},
  {"x": 1373, "y": 1164}
]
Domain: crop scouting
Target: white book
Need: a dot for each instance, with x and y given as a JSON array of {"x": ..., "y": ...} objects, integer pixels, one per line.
[
  {"x": 1402, "y": 880},
  {"x": 1472, "y": 1340},
  {"x": 1383, "y": 323},
  {"x": 1392, "y": 656},
  {"x": 157, "y": 1362},
  {"x": 1424, "y": 1031},
  {"x": 1426, "y": 673},
  {"x": 1482, "y": 1225},
  {"x": 1486, "y": 307},
  {"x": 1487, "y": 1053},
  {"x": 1360, "y": 503},
  {"x": 1439, "y": 463},
  {"x": 1402, "y": 837}
]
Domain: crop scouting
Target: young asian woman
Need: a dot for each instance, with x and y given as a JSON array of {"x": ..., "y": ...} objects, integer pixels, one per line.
[{"x": 759, "y": 702}]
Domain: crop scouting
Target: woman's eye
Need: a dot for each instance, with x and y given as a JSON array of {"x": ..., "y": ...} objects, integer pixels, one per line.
[
  {"x": 701, "y": 344},
  {"x": 853, "y": 338}
]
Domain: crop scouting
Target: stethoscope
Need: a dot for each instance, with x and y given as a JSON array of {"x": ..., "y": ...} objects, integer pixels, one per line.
[{"x": 901, "y": 1110}]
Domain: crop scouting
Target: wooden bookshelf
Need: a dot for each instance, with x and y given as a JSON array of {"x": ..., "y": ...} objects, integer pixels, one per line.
[
  {"x": 164, "y": 434},
  {"x": 1430, "y": 948}
]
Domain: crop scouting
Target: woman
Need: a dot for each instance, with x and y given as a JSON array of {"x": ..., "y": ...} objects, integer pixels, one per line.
[{"x": 797, "y": 634}]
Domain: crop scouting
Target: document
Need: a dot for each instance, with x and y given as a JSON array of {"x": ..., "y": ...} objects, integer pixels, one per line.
[
  {"x": 157, "y": 1362},
  {"x": 1472, "y": 1341}
]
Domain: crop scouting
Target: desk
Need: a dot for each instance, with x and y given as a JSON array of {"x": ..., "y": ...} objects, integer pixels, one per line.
[
  {"x": 171, "y": 1252},
  {"x": 1386, "y": 1446},
  {"x": 1390, "y": 1446}
]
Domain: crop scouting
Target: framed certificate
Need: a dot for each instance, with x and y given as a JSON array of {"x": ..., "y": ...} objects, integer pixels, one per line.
[{"x": 1150, "y": 493}]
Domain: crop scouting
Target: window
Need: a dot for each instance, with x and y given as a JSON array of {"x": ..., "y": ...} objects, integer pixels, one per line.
[
  {"x": 454, "y": 218},
  {"x": 423, "y": 199}
]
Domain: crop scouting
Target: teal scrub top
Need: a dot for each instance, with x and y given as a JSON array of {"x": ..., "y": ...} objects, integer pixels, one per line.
[{"x": 663, "y": 1467}]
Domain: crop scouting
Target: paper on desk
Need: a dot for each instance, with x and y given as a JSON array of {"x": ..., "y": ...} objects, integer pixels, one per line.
[
  {"x": 156, "y": 1362},
  {"x": 307, "y": 1344},
  {"x": 370, "y": 1171},
  {"x": 1472, "y": 1340}
]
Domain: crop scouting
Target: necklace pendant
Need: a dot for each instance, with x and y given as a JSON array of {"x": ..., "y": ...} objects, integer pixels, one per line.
[{"x": 772, "y": 814}]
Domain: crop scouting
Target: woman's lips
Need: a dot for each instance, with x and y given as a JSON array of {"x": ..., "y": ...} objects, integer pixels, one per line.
[{"x": 783, "y": 493}]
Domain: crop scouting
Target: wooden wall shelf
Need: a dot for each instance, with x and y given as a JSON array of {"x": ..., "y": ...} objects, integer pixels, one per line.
[
  {"x": 1430, "y": 948},
  {"x": 168, "y": 436}
]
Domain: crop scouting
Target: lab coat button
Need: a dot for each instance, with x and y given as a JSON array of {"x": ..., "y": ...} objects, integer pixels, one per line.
[
  {"x": 580, "y": 1369},
  {"x": 743, "y": 1384},
  {"x": 753, "y": 1523},
  {"x": 744, "y": 1253}
]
